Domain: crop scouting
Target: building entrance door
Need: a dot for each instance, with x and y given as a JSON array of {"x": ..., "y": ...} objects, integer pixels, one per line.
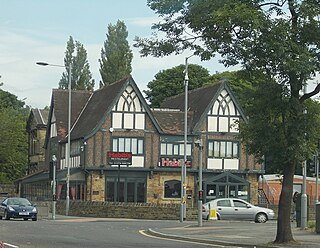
[{"x": 225, "y": 185}]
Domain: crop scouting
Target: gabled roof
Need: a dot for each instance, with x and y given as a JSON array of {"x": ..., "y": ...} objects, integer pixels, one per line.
[
  {"x": 96, "y": 107},
  {"x": 100, "y": 105},
  {"x": 199, "y": 102},
  {"x": 39, "y": 116},
  {"x": 59, "y": 104}
]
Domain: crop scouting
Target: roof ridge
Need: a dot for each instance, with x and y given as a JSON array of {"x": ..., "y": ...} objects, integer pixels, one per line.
[
  {"x": 196, "y": 89},
  {"x": 74, "y": 90},
  {"x": 126, "y": 78},
  {"x": 78, "y": 117}
]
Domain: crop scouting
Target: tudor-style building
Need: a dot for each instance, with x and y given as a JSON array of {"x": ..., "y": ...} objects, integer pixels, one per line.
[{"x": 116, "y": 118}]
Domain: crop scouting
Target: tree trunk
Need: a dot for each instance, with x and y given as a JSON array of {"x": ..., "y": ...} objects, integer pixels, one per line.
[{"x": 284, "y": 233}]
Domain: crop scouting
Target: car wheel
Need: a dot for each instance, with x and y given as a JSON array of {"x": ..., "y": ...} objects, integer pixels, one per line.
[
  {"x": 6, "y": 216},
  {"x": 0, "y": 217},
  {"x": 261, "y": 218},
  {"x": 34, "y": 219}
]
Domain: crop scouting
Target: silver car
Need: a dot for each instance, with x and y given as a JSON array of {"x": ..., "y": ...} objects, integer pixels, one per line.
[{"x": 236, "y": 209}]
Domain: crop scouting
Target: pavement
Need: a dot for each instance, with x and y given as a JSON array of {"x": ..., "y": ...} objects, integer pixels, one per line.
[
  {"x": 224, "y": 233},
  {"x": 237, "y": 234}
]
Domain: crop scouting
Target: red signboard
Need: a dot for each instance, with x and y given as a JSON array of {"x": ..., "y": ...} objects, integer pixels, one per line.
[
  {"x": 116, "y": 158},
  {"x": 172, "y": 162}
]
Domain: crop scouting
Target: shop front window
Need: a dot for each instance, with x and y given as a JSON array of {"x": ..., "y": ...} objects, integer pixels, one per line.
[
  {"x": 125, "y": 191},
  {"x": 172, "y": 189}
]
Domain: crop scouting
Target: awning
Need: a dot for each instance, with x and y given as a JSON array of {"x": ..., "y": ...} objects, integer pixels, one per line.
[{"x": 76, "y": 174}]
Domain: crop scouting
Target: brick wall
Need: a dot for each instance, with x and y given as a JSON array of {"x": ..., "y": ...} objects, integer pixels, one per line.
[
  {"x": 125, "y": 210},
  {"x": 252, "y": 179}
]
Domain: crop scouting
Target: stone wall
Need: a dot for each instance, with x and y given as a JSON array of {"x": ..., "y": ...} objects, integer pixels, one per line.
[
  {"x": 130, "y": 210},
  {"x": 7, "y": 190},
  {"x": 125, "y": 210}
]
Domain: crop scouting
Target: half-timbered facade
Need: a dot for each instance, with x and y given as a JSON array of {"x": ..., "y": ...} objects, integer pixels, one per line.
[{"x": 116, "y": 118}]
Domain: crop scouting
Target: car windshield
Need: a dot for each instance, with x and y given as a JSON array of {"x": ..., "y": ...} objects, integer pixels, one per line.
[{"x": 19, "y": 201}]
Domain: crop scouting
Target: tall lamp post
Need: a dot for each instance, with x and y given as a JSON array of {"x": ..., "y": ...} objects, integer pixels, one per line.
[
  {"x": 183, "y": 206},
  {"x": 317, "y": 176},
  {"x": 200, "y": 192},
  {"x": 54, "y": 185},
  {"x": 304, "y": 198},
  {"x": 69, "y": 128}
]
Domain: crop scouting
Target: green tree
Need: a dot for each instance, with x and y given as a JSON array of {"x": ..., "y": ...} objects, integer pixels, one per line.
[
  {"x": 81, "y": 77},
  {"x": 277, "y": 40},
  {"x": 116, "y": 55},
  {"x": 170, "y": 82},
  {"x": 13, "y": 136},
  {"x": 8, "y": 100}
]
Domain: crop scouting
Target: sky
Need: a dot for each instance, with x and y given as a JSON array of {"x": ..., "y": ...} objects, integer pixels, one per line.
[{"x": 38, "y": 30}]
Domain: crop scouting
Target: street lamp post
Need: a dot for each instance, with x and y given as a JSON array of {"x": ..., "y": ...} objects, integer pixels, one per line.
[
  {"x": 54, "y": 169},
  {"x": 200, "y": 192},
  {"x": 69, "y": 128},
  {"x": 317, "y": 177},
  {"x": 183, "y": 206},
  {"x": 304, "y": 198}
]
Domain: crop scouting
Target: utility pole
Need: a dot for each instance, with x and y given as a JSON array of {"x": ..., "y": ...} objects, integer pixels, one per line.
[
  {"x": 304, "y": 199},
  {"x": 200, "y": 193},
  {"x": 68, "y": 158},
  {"x": 317, "y": 176},
  {"x": 54, "y": 196}
]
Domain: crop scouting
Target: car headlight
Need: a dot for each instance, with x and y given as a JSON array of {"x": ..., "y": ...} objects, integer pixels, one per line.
[
  {"x": 11, "y": 208},
  {"x": 34, "y": 210}
]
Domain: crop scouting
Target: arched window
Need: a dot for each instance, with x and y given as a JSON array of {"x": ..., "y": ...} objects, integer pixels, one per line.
[
  {"x": 172, "y": 189},
  {"x": 224, "y": 115},
  {"x": 128, "y": 112}
]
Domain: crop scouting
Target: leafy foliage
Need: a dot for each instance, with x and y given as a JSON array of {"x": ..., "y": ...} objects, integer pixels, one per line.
[
  {"x": 13, "y": 136},
  {"x": 170, "y": 82},
  {"x": 116, "y": 55},
  {"x": 8, "y": 100},
  {"x": 278, "y": 43},
  {"x": 81, "y": 77}
]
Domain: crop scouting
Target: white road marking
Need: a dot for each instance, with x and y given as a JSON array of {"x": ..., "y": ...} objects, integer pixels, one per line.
[
  {"x": 10, "y": 245},
  {"x": 142, "y": 232}
]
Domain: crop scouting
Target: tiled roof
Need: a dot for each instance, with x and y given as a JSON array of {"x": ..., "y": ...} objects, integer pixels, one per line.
[
  {"x": 60, "y": 103},
  {"x": 40, "y": 116},
  {"x": 198, "y": 101},
  {"x": 172, "y": 122},
  {"x": 97, "y": 107},
  {"x": 89, "y": 109}
]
